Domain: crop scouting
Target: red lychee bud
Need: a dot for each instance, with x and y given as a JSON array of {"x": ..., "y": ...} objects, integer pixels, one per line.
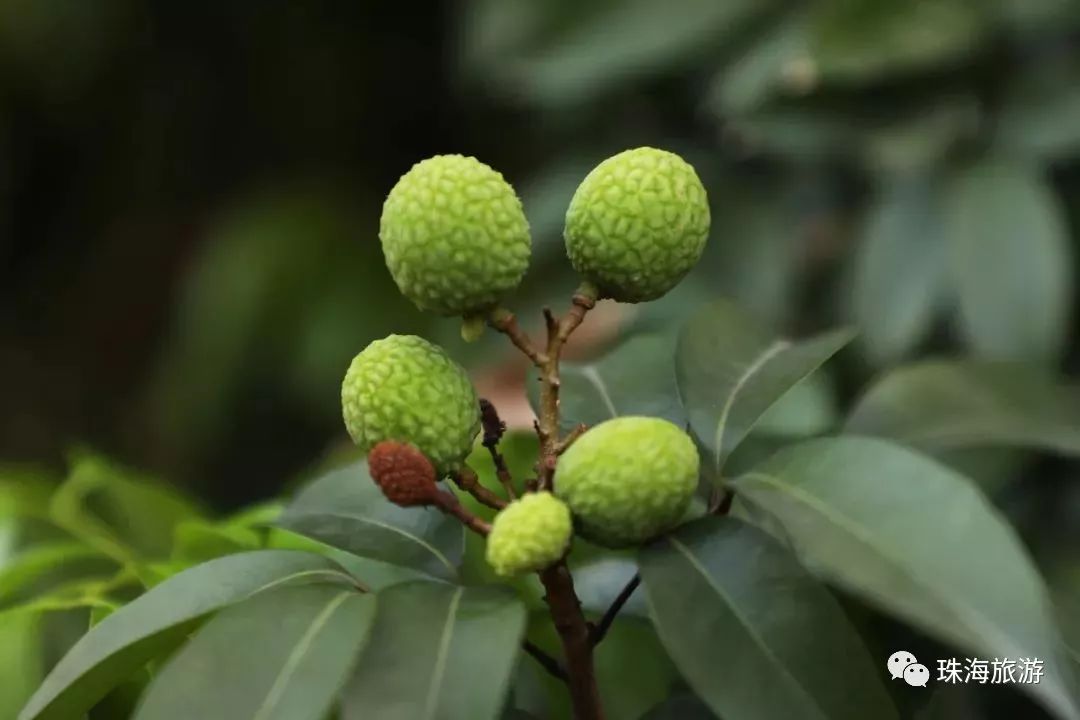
[{"x": 403, "y": 473}]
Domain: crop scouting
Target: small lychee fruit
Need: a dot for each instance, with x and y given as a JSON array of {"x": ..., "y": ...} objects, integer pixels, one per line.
[
  {"x": 529, "y": 534},
  {"x": 637, "y": 224},
  {"x": 404, "y": 388},
  {"x": 628, "y": 479},
  {"x": 405, "y": 476},
  {"x": 454, "y": 235}
]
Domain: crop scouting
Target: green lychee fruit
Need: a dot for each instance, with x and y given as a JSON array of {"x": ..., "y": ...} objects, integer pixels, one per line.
[
  {"x": 637, "y": 224},
  {"x": 628, "y": 479},
  {"x": 529, "y": 534},
  {"x": 454, "y": 235},
  {"x": 404, "y": 388}
]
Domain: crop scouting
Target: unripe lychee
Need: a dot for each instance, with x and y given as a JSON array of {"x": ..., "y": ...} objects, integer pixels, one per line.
[
  {"x": 404, "y": 388},
  {"x": 637, "y": 224},
  {"x": 405, "y": 476},
  {"x": 454, "y": 235},
  {"x": 529, "y": 534},
  {"x": 628, "y": 479}
]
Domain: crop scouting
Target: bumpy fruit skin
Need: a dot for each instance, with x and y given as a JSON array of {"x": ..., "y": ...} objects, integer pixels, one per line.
[
  {"x": 628, "y": 479},
  {"x": 637, "y": 224},
  {"x": 404, "y": 388},
  {"x": 454, "y": 235},
  {"x": 404, "y": 475},
  {"x": 529, "y": 534}
]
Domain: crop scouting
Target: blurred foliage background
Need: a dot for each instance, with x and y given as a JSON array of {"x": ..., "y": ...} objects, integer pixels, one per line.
[{"x": 190, "y": 195}]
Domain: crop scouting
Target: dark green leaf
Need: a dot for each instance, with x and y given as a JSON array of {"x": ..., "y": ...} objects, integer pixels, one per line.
[
  {"x": 680, "y": 707},
  {"x": 635, "y": 378},
  {"x": 898, "y": 273},
  {"x": 347, "y": 510},
  {"x": 235, "y": 668},
  {"x": 918, "y": 540},
  {"x": 769, "y": 67},
  {"x": 942, "y": 405},
  {"x": 599, "y": 581},
  {"x": 437, "y": 652},
  {"x": 158, "y": 620},
  {"x": 730, "y": 373},
  {"x": 632, "y": 669},
  {"x": 611, "y": 43},
  {"x": 1011, "y": 261},
  {"x": 1039, "y": 118},
  {"x": 748, "y": 628},
  {"x": 858, "y": 41}
]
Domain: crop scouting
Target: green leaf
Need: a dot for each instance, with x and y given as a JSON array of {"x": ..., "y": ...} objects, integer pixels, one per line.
[
  {"x": 898, "y": 272},
  {"x": 21, "y": 661},
  {"x": 635, "y": 378},
  {"x": 599, "y": 581},
  {"x": 123, "y": 515},
  {"x": 38, "y": 565},
  {"x": 160, "y": 619},
  {"x": 371, "y": 574},
  {"x": 24, "y": 492},
  {"x": 808, "y": 408},
  {"x": 943, "y": 405},
  {"x": 857, "y": 41},
  {"x": 730, "y": 373},
  {"x": 347, "y": 510},
  {"x": 748, "y": 627},
  {"x": 234, "y": 668},
  {"x": 1011, "y": 261},
  {"x": 918, "y": 540},
  {"x": 437, "y": 651},
  {"x": 198, "y": 540}
]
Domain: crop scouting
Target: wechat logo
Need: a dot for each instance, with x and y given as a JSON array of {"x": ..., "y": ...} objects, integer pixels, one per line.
[{"x": 902, "y": 665}]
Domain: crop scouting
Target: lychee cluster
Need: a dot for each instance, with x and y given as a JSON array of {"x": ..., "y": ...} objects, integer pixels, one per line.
[{"x": 456, "y": 242}]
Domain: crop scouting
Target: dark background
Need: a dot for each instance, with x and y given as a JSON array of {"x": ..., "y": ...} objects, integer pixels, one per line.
[{"x": 189, "y": 192}]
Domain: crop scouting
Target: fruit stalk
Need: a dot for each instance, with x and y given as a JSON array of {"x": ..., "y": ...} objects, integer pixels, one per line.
[
  {"x": 574, "y": 632},
  {"x": 562, "y": 601}
]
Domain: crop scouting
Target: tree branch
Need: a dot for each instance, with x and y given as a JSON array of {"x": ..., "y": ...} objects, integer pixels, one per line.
[
  {"x": 600, "y": 630},
  {"x": 467, "y": 480},
  {"x": 564, "y": 444},
  {"x": 546, "y": 661},
  {"x": 505, "y": 322},
  {"x": 560, "y": 596},
  {"x": 452, "y": 506},
  {"x": 574, "y": 633}
]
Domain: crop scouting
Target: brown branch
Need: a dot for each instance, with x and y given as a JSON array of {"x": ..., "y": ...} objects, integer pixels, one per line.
[
  {"x": 467, "y": 480},
  {"x": 546, "y": 661},
  {"x": 564, "y": 444},
  {"x": 574, "y": 633},
  {"x": 600, "y": 630},
  {"x": 494, "y": 428},
  {"x": 559, "y": 331},
  {"x": 560, "y": 596},
  {"x": 452, "y": 506},
  {"x": 505, "y": 322}
]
